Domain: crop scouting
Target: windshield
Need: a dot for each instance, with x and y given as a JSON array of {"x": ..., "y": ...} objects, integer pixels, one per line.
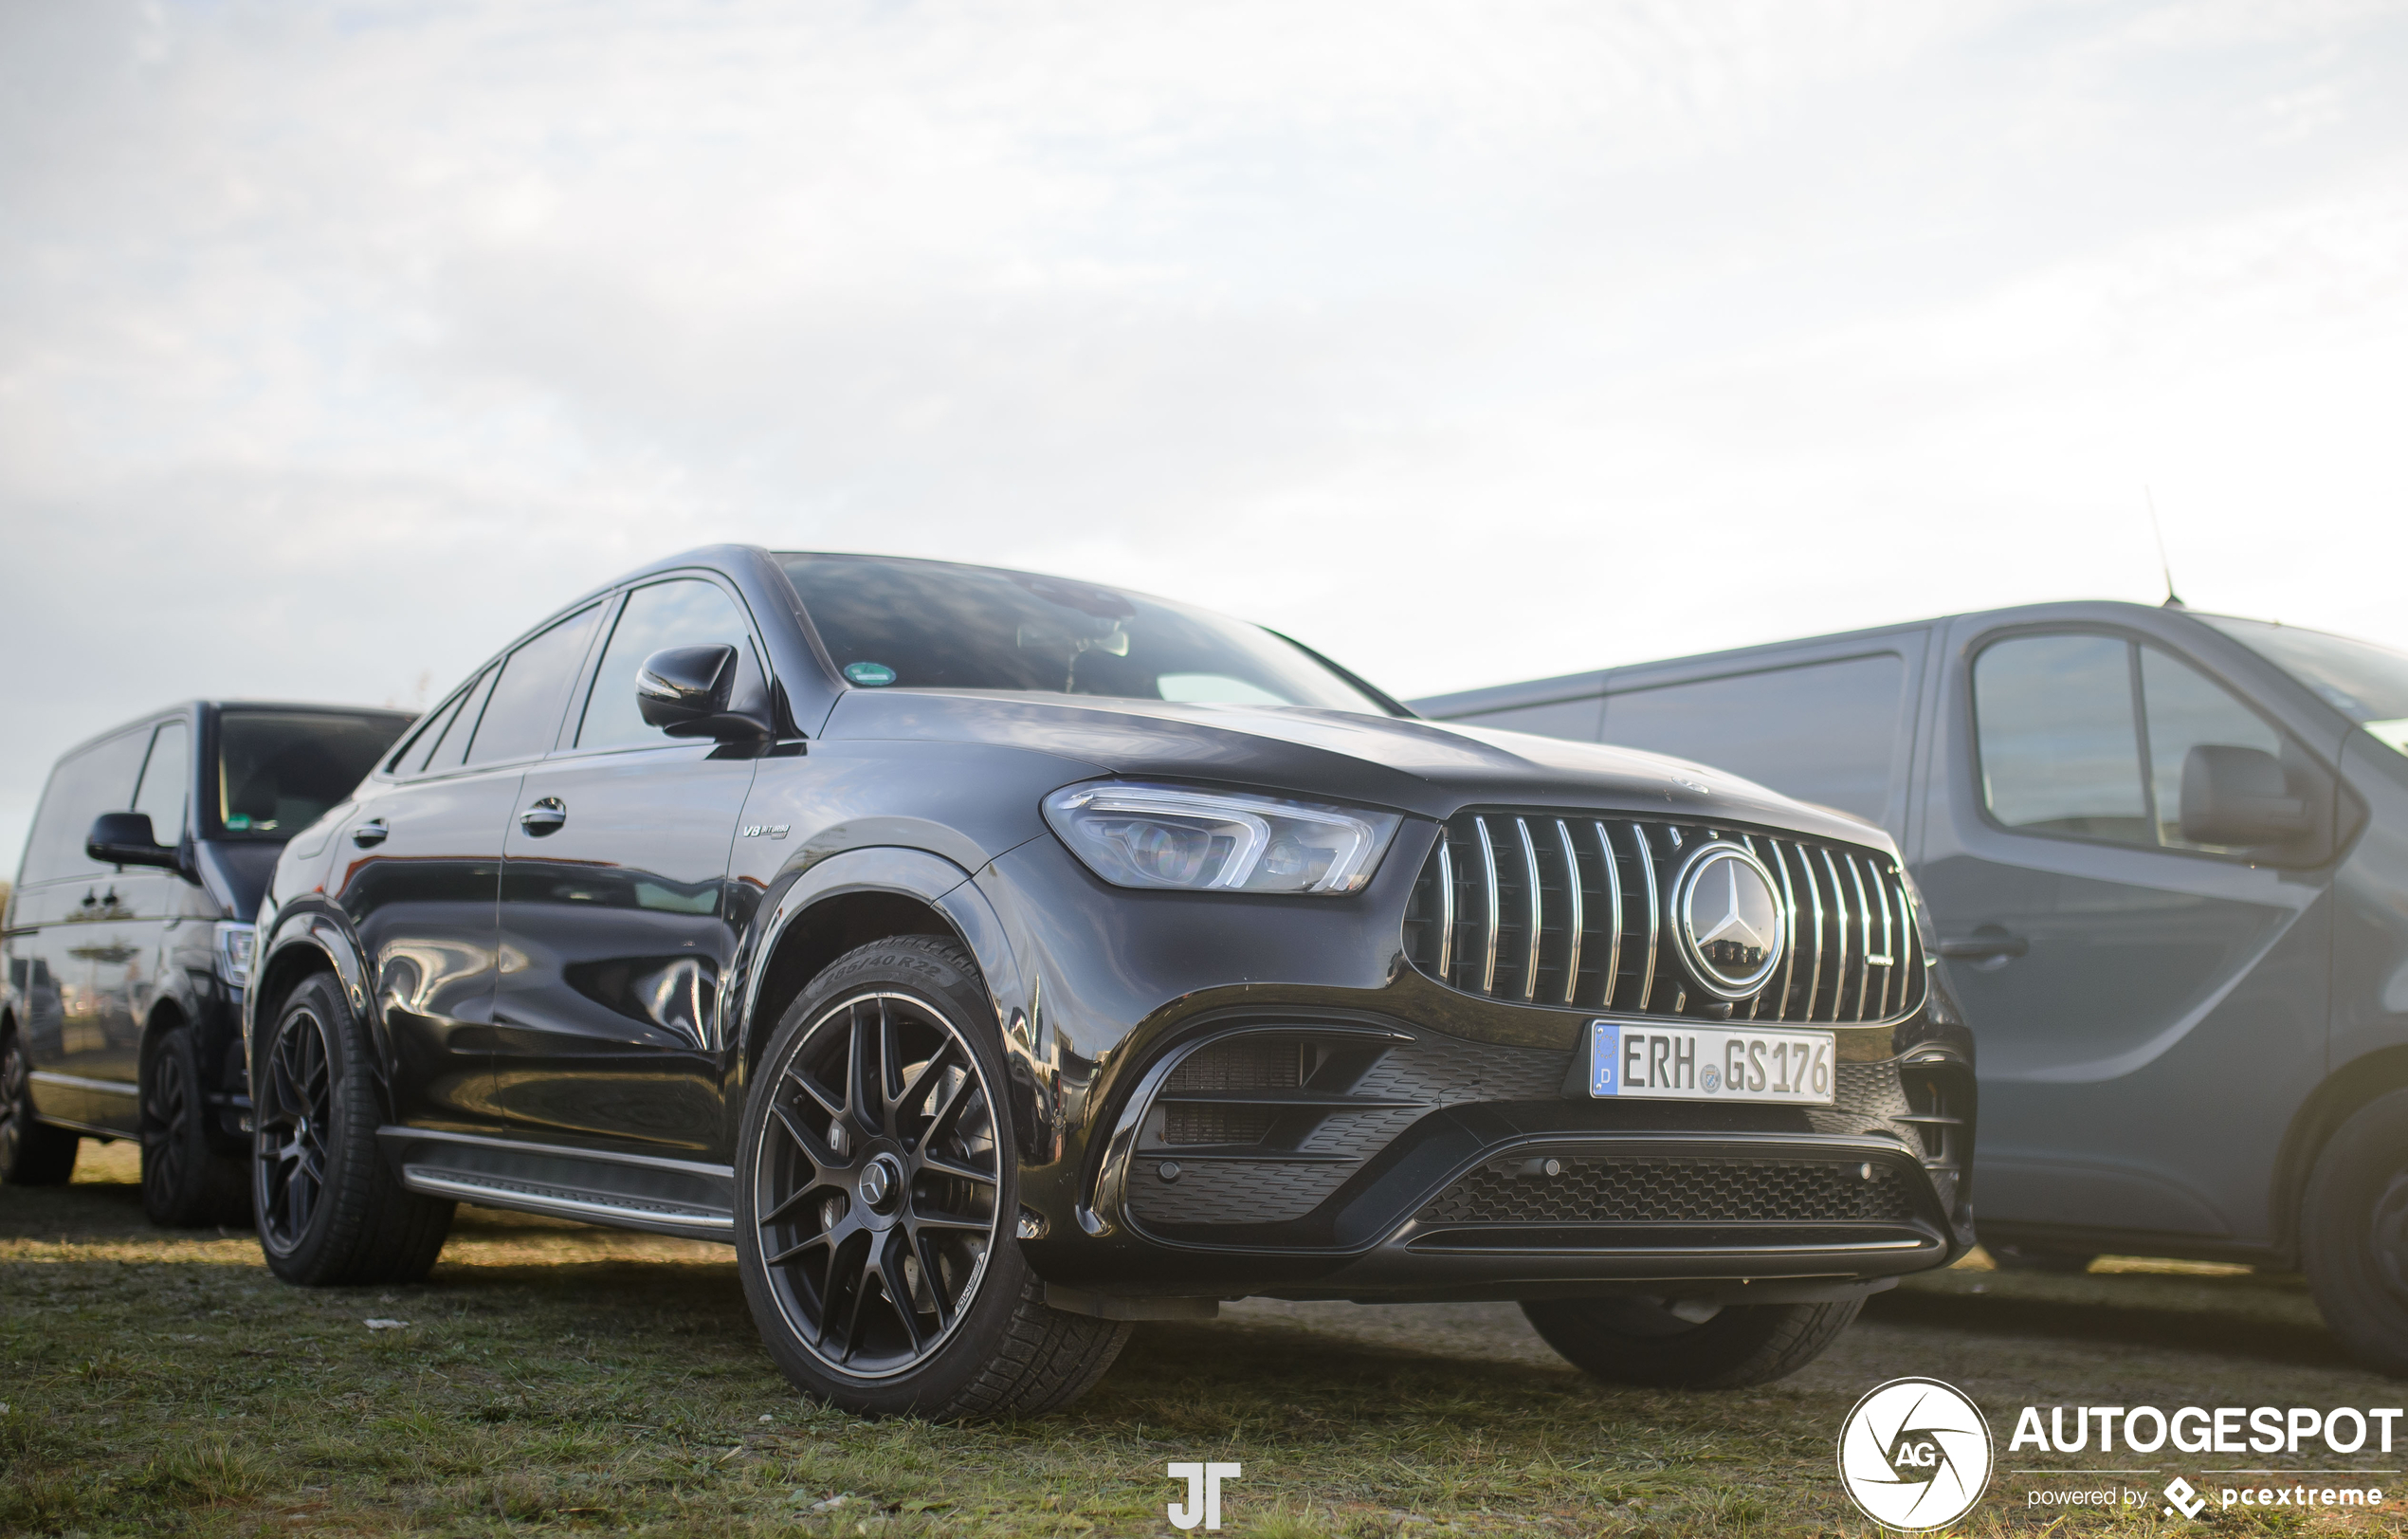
[
  {"x": 279, "y": 771},
  {"x": 891, "y": 623},
  {"x": 2367, "y": 683}
]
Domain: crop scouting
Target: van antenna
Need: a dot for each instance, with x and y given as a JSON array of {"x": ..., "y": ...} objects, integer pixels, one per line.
[{"x": 2173, "y": 600}]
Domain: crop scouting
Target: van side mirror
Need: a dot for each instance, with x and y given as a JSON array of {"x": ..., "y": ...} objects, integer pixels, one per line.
[
  {"x": 685, "y": 690},
  {"x": 124, "y": 839},
  {"x": 2239, "y": 797}
]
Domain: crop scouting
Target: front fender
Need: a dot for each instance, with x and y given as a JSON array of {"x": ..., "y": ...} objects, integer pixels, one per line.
[
  {"x": 813, "y": 880},
  {"x": 307, "y": 937}
]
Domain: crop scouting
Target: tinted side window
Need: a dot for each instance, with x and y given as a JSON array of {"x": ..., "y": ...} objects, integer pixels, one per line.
[
  {"x": 2185, "y": 709},
  {"x": 99, "y": 780},
  {"x": 1822, "y": 732},
  {"x": 167, "y": 781},
  {"x": 685, "y": 613},
  {"x": 522, "y": 718},
  {"x": 2060, "y": 747},
  {"x": 448, "y": 746}
]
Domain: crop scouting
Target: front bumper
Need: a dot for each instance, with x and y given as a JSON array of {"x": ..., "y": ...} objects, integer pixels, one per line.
[
  {"x": 1324, "y": 1154},
  {"x": 1339, "y": 1125}
]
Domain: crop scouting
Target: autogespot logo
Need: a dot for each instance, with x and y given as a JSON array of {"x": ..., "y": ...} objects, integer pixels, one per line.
[{"x": 1915, "y": 1454}]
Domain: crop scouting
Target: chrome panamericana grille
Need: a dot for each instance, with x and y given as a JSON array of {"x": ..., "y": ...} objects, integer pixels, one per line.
[{"x": 1563, "y": 909}]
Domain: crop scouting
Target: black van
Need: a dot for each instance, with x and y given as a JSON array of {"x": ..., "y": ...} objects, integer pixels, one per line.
[
  {"x": 128, "y": 937},
  {"x": 2166, "y": 854}
]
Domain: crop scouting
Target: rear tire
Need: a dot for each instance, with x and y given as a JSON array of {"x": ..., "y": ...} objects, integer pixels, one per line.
[
  {"x": 877, "y": 1200},
  {"x": 2354, "y": 1234},
  {"x": 329, "y": 1209},
  {"x": 32, "y": 1153},
  {"x": 186, "y": 1184},
  {"x": 1639, "y": 1341}
]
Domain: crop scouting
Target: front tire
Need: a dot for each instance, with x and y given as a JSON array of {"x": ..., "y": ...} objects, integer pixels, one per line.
[
  {"x": 1640, "y": 1341},
  {"x": 186, "y": 1184},
  {"x": 2354, "y": 1234},
  {"x": 32, "y": 1153},
  {"x": 330, "y": 1209},
  {"x": 877, "y": 1199}
]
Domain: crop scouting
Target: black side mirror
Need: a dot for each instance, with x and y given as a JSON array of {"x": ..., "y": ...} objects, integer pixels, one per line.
[
  {"x": 2239, "y": 797},
  {"x": 685, "y": 691},
  {"x": 124, "y": 839}
]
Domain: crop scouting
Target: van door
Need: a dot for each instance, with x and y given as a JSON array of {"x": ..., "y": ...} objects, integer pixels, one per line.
[
  {"x": 82, "y": 940},
  {"x": 2148, "y": 1009}
]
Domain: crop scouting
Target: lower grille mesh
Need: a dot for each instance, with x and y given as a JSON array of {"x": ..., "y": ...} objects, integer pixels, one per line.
[{"x": 1676, "y": 1191}]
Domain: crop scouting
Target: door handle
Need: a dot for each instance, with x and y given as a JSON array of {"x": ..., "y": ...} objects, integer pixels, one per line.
[
  {"x": 544, "y": 818},
  {"x": 372, "y": 831},
  {"x": 1988, "y": 943}
]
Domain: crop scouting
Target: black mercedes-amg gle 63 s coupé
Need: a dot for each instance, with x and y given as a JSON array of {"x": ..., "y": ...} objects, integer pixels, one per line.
[{"x": 996, "y": 959}]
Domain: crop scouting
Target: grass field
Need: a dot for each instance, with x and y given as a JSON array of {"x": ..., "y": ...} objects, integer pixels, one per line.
[{"x": 554, "y": 1376}]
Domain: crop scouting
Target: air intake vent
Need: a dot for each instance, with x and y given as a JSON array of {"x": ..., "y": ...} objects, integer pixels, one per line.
[
  {"x": 1570, "y": 909},
  {"x": 1676, "y": 1191}
]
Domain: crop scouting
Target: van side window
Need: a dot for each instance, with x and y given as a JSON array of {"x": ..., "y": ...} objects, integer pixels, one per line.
[
  {"x": 2059, "y": 743},
  {"x": 167, "y": 779},
  {"x": 99, "y": 780},
  {"x": 685, "y": 612},
  {"x": 522, "y": 718},
  {"x": 2186, "y": 709}
]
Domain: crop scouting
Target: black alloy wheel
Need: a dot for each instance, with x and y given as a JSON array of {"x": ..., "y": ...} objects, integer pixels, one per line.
[
  {"x": 32, "y": 1153},
  {"x": 185, "y": 1181},
  {"x": 875, "y": 1202},
  {"x": 329, "y": 1208},
  {"x": 295, "y": 1108},
  {"x": 877, "y": 1186}
]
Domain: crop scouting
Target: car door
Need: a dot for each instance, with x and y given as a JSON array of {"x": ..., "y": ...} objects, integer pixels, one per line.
[
  {"x": 615, "y": 930},
  {"x": 148, "y": 897},
  {"x": 87, "y": 938},
  {"x": 2149, "y": 1009},
  {"x": 420, "y": 875}
]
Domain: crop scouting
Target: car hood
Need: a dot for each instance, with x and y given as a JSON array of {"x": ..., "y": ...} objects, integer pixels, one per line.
[{"x": 1430, "y": 768}]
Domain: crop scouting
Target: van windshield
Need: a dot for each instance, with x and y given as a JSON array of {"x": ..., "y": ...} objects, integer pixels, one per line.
[
  {"x": 2367, "y": 683},
  {"x": 279, "y": 771},
  {"x": 894, "y": 623}
]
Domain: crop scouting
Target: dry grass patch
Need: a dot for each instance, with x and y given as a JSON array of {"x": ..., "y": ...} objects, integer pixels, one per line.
[{"x": 554, "y": 1377}]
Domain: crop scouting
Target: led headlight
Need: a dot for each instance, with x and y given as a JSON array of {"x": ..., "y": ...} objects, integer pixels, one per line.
[
  {"x": 1221, "y": 841},
  {"x": 235, "y": 943}
]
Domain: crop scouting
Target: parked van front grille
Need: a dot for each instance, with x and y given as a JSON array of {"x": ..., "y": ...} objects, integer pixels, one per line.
[{"x": 1575, "y": 909}]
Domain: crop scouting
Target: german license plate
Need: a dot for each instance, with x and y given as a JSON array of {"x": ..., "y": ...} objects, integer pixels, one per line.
[{"x": 1709, "y": 1062}]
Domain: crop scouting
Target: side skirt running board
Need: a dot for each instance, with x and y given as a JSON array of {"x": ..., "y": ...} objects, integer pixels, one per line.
[{"x": 622, "y": 1191}]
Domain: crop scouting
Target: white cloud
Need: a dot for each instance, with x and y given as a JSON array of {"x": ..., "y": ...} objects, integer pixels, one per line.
[{"x": 1467, "y": 342}]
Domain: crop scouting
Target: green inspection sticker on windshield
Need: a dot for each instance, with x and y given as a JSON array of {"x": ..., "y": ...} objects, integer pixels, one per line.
[
  {"x": 2393, "y": 735},
  {"x": 872, "y": 675}
]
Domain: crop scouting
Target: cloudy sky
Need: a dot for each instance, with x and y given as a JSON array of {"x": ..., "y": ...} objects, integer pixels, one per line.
[{"x": 1467, "y": 342}]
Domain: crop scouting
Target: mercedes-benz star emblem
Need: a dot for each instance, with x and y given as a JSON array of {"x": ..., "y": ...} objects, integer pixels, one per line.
[{"x": 1730, "y": 921}]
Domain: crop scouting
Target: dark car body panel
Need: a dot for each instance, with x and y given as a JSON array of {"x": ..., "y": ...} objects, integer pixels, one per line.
[{"x": 644, "y": 950}]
